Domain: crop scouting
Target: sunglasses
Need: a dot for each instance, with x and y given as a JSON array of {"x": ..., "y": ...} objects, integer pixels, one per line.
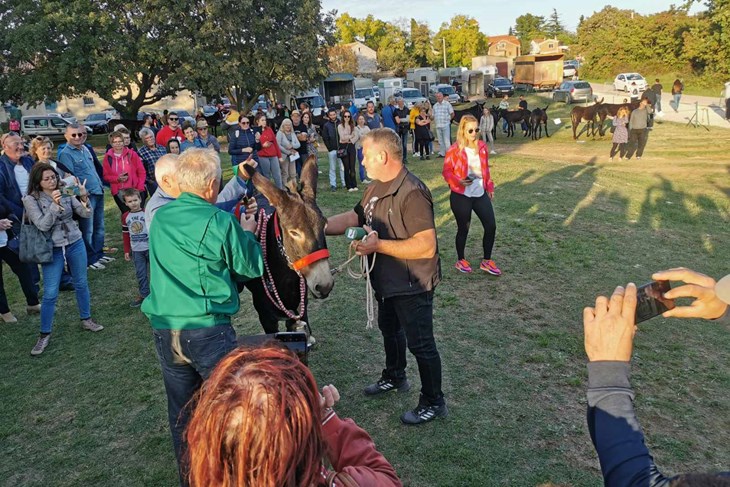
[
  {"x": 244, "y": 123},
  {"x": 347, "y": 116},
  {"x": 173, "y": 119},
  {"x": 77, "y": 135},
  {"x": 471, "y": 131}
]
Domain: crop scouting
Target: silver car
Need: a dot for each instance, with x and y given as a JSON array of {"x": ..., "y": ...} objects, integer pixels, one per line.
[{"x": 570, "y": 91}]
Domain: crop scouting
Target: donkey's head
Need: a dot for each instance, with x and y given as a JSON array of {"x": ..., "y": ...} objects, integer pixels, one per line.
[{"x": 302, "y": 226}]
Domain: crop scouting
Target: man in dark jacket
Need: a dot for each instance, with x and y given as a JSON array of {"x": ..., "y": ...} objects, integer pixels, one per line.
[
  {"x": 397, "y": 212},
  {"x": 329, "y": 136},
  {"x": 609, "y": 329},
  {"x": 14, "y": 173}
]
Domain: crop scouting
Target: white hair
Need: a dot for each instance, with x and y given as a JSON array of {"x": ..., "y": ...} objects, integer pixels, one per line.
[
  {"x": 165, "y": 166},
  {"x": 288, "y": 122},
  {"x": 196, "y": 168},
  {"x": 144, "y": 132}
]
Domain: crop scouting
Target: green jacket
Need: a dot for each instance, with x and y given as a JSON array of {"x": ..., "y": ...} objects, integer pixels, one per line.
[{"x": 196, "y": 252}]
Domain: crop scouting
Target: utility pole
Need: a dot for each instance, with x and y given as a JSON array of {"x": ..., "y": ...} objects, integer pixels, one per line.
[{"x": 443, "y": 40}]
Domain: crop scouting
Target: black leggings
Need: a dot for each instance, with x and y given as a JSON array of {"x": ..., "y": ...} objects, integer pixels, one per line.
[
  {"x": 620, "y": 148},
  {"x": 462, "y": 207},
  {"x": 23, "y": 271}
]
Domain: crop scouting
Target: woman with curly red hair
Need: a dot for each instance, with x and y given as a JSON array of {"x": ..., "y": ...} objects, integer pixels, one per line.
[{"x": 260, "y": 420}]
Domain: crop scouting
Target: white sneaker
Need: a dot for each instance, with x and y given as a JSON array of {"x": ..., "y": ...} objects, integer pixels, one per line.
[
  {"x": 97, "y": 266},
  {"x": 493, "y": 152},
  {"x": 107, "y": 259}
]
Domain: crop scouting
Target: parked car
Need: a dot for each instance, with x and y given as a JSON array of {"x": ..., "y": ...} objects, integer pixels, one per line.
[
  {"x": 447, "y": 90},
  {"x": 569, "y": 70},
  {"x": 412, "y": 96},
  {"x": 624, "y": 82},
  {"x": 570, "y": 91},
  {"x": 51, "y": 126},
  {"x": 98, "y": 122},
  {"x": 500, "y": 87},
  {"x": 376, "y": 92},
  {"x": 68, "y": 116}
]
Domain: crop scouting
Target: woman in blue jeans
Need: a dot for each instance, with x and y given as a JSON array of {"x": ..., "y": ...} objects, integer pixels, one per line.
[{"x": 51, "y": 211}]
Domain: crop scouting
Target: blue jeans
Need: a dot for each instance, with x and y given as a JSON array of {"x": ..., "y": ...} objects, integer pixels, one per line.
[
  {"x": 408, "y": 321},
  {"x": 76, "y": 260},
  {"x": 204, "y": 347},
  {"x": 92, "y": 229},
  {"x": 444, "y": 136},
  {"x": 359, "y": 163},
  {"x": 675, "y": 101},
  {"x": 334, "y": 162},
  {"x": 141, "y": 261},
  {"x": 269, "y": 167}
]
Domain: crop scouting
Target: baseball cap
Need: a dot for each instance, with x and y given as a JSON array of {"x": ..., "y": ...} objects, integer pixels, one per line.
[
  {"x": 722, "y": 289},
  {"x": 202, "y": 124}
]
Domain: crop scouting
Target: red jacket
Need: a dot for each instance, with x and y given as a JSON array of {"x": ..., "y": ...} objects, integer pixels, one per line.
[
  {"x": 129, "y": 162},
  {"x": 350, "y": 450},
  {"x": 456, "y": 167},
  {"x": 273, "y": 150},
  {"x": 166, "y": 133}
]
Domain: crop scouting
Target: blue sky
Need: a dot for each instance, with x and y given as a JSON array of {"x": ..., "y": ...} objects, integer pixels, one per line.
[{"x": 495, "y": 17}]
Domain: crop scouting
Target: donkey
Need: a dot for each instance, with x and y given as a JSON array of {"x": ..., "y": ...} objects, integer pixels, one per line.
[
  {"x": 295, "y": 252},
  {"x": 214, "y": 121},
  {"x": 611, "y": 109},
  {"x": 475, "y": 110},
  {"x": 538, "y": 119},
  {"x": 513, "y": 117},
  {"x": 589, "y": 115}
]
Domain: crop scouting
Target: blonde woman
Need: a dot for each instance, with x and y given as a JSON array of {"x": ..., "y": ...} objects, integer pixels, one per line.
[
  {"x": 288, "y": 144},
  {"x": 620, "y": 133},
  {"x": 41, "y": 149},
  {"x": 466, "y": 170}
]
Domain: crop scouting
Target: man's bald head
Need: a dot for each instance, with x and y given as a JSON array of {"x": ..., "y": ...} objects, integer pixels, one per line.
[{"x": 165, "y": 169}]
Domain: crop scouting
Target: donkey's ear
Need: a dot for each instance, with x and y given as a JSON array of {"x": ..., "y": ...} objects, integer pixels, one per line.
[
  {"x": 275, "y": 195},
  {"x": 309, "y": 178}
]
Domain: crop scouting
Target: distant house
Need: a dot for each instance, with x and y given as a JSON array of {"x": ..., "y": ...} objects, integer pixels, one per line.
[
  {"x": 367, "y": 58},
  {"x": 504, "y": 46},
  {"x": 545, "y": 46}
]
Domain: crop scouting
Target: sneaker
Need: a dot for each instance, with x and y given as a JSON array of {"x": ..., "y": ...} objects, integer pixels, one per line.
[
  {"x": 366, "y": 181},
  {"x": 354, "y": 190},
  {"x": 638, "y": 158},
  {"x": 333, "y": 188},
  {"x": 463, "y": 266},
  {"x": 106, "y": 259},
  {"x": 40, "y": 345},
  {"x": 387, "y": 385},
  {"x": 136, "y": 303},
  {"x": 9, "y": 317},
  {"x": 423, "y": 158},
  {"x": 489, "y": 266},
  {"x": 424, "y": 414},
  {"x": 33, "y": 310},
  {"x": 493, "y": 152},
  {"x": 610, "y": 159},
  {"x": 97, "y": 266},
  {"x": 91, "y": 325}
]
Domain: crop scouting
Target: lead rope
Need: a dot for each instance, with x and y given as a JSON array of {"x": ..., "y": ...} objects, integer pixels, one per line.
[{"x": 365, "y": 271}]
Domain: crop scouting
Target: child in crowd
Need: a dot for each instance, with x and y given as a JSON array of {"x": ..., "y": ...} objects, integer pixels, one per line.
[{"x": 136, "y": 241}]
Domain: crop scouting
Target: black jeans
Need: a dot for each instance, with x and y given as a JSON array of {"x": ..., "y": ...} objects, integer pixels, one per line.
[
  {"x": 204, "y": 347},
  {"x": 422, "y": 147},
  {"x": 618, "y": 148},
  {"x": 408, "y": 321},
  {"x": 462, "y": 206},
  {"x": 637, "y": 142},
  {"x": 23, "y": 271},
  {"x": 349, "y": 162}
]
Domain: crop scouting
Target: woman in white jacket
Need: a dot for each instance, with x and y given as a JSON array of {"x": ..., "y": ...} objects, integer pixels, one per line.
[
  {"x": 486, "y": 125},
  {"x": 288, "y": 143}
]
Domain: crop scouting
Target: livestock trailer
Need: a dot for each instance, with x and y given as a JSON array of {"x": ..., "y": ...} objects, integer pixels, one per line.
[
  {"x": 538, "y": 71},
  {"x": 422, "y": 79},
  {"x": 472, "y": 83},
  {"x": 338, "y": 88}
]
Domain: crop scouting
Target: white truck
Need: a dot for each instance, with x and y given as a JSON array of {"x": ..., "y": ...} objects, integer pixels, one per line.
[
  {"x": 389, "y": 87},
  {"x": 364, "y": 92}
]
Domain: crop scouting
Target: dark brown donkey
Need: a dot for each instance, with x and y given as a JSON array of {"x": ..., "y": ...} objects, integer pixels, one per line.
[
  {"x": 611, "y": 109},
  {"x": 588, "y": 114},
  {"x": 291, "y": 232}
]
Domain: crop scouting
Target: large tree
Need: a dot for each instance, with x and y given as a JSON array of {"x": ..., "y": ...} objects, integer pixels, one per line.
[
  {"x": 463, "y": 38},
  {"x": 707, "y": 44},
  {"x": 136, "y": 53},
  {"x": 527, "y": 28},
  {"x": 342, "y": 59}
]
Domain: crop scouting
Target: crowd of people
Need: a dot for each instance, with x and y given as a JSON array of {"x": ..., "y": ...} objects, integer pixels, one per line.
[{"x": 241, "y": 416}]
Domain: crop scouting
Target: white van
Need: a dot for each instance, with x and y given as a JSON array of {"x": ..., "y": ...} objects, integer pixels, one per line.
[
  {"x": 51, "y": 126},
  {"x": 389, "y": 87}
]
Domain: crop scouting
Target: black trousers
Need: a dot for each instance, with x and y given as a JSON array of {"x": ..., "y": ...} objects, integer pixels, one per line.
[
  {"x": 620, "y": 148},
  {"x": 637, "y": 142},
  {"x": 727, "y": 109},
  {"x": 461, "y": 207},
  {"x": 24, "y": 276},
  {"x": 422, "y": 146},
  {"x": 408, "y": 321},
  {"x": 350, "y": 163}
]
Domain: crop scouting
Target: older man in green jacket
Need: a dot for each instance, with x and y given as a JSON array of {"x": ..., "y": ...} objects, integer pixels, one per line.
[{"x": 197, "y": 252}]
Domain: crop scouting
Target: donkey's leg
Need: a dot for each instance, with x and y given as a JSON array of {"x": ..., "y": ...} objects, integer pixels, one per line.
[{"x": 264, "y": 308}]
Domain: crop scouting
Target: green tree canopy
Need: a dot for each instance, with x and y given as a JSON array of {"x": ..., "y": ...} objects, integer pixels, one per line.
[
  {"x": 527, "y": 28},
  {"x": 464, "y": 40},
  {"x": 135, "y": 53}
]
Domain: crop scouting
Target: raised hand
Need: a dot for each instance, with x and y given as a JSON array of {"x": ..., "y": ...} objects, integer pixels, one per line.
[
  {"x": 609, "y": 327},
  {"x": 699, "y": 286}
]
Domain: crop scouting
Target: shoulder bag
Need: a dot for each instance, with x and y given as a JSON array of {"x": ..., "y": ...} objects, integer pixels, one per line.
[
  {"x": 36, "y": 246},
  {"x": 341, "y": 151}
]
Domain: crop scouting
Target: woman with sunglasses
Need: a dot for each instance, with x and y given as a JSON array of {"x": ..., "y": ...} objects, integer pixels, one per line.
[
  {"x": 243, "y": 142},
  {"x": 52, "y": 211},
  {"x": 466, "y": 170},
  {"x": 347, "y": 137}
]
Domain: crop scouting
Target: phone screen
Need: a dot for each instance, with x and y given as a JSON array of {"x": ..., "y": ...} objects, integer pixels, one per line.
[
  {"x": 295, "y": 341},
  {"x": 650, "y": 300}
]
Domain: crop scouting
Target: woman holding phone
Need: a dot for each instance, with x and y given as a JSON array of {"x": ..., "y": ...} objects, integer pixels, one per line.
[
  {"x": 52, "y": 211},
  {"x": 466, "y": 170}
]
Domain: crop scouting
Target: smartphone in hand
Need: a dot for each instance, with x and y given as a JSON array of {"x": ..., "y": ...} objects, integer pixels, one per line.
[{"x": 650, "y": 300}]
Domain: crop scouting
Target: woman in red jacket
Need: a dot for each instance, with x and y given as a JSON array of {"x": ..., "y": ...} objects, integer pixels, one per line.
[
  {"x": 270, "y": 153},
  {"x": 123, "y": 169},
  {"x": 260, "y": 420},
  {"x": 466, "y": 170}
]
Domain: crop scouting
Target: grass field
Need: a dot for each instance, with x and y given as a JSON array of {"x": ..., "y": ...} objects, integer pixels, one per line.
[{"x": 92, "y": 410}]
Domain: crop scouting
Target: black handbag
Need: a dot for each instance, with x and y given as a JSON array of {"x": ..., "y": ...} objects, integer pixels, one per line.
[
  {"x": 36, "y": 246},
  {"x": 341, "y": 151}
]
